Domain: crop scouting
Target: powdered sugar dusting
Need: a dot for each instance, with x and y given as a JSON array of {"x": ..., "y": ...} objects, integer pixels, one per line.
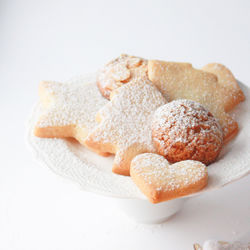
[
  {"x": 156, "y": 170},
  {"x": 188, "y": 125},
  {"x": 182, "y": 81},
  {"x": 72, "y": 104},
  {"x": 222, "y": 245},
  {"x": 126, "y": 119},
  {"x": 93, "y": 172},
  {"x": 232, "y": 94}
]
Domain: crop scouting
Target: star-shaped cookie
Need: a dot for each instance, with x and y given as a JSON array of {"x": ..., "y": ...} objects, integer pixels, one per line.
[
  {"x": 68, "y": 109},
  {"x": 182, "y": 81},
  {"x": 125, "y": 123}
]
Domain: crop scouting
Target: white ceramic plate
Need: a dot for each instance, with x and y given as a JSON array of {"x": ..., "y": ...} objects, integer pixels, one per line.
[{"x": 93, "y": 172}]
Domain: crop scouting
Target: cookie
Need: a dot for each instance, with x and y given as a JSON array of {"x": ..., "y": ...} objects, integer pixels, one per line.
[
  {"x": 232, "y": 94},
  {"x": 185, "y": 130},
  {"x": 68, "y": 110},
  {"x": 182, "y": 81},
  {"x": 125, "y": 124},
  {"x": 160, "y": 181},
  {"x": 120, "y": 71},
  {"x": 222, "y": 245}
]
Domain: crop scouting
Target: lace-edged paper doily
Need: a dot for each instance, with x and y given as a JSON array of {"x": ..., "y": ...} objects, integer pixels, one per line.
[{"x": 66, "y": 157}]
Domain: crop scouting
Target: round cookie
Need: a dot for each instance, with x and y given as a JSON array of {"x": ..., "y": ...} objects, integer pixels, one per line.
[
  {"x": 119, "y": 71},
  {"x": 185, "y": 130}
]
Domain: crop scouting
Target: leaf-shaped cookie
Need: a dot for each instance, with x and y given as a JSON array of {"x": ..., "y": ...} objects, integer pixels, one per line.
[
  {"x": 232, "y": 94},
  {"x": 182, "y": 81}
]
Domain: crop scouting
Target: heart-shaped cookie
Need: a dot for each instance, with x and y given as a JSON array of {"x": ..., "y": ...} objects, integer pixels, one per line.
[{"x": 160, "y": 181}]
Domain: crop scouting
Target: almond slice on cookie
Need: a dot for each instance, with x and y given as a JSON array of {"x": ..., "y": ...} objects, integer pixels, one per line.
[
  {"x": 160, "y": 181},
  {"x": 120, "y": 71}
]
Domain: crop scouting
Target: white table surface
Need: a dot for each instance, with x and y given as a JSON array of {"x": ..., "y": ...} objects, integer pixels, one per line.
[{"x": 54, "y": 40}]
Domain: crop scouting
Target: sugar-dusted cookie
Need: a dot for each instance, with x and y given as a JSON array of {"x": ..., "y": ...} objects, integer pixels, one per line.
[
  {"x": 222, "y": 245},
  {"x": 119, "y": 71},
  {"x": 185, "y": 130},
  {"x": 125, "y": 123},
  {"x": 69, "y": 109},
  {"x": 232, "y": 94},
  {"x": 182, "y": 81},
  {"x": 160, "y": 181}
]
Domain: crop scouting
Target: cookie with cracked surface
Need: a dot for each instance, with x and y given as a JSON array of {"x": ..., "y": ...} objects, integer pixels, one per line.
[{"x": 185, "y": 130}]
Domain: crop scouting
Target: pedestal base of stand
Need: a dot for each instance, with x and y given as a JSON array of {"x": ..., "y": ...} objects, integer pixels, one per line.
[{"x": 143, "y": 211}]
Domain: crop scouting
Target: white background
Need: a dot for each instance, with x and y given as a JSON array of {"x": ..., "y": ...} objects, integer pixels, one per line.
[{"x": 55, "y": 40}]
